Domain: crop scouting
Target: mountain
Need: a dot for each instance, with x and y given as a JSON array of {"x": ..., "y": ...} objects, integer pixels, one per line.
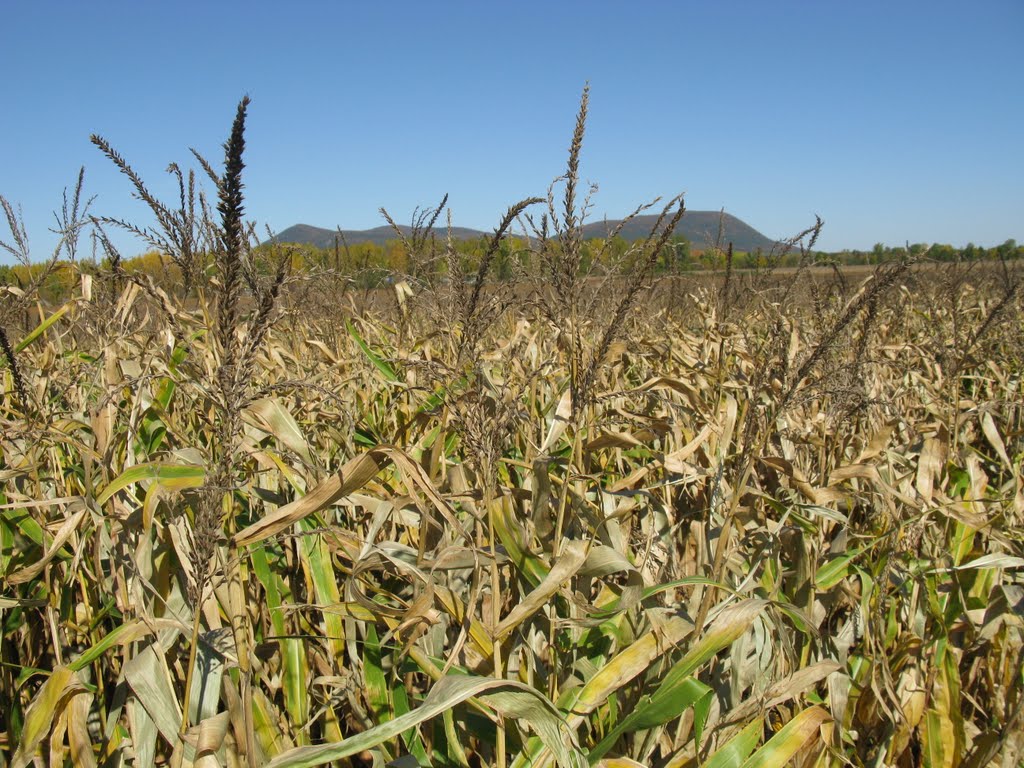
[
  {"x": 699, "y": 227},
  {"x": 305, "y": 234}
]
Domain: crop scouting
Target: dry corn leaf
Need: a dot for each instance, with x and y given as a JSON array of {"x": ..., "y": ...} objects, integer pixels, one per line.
[
  {"x": 208, "y": 736},
  {"x": 351, "y": 477},
  {"x": 558, "y": 423},
  {"x": 929, "y": 466},
  {"x": 569, "y": 561},
  {"x": 151, "y": 682},
  {"x": 851, "y": 471},
  {"x": 818, "y": 496},
  {"x": 272, "y": 417},
  {"x": 796, "y": 684},
  {"x": 678, "y": 458},
  {"x": 67, "y": 529},
  {"x": 612, "y": 440},
  {"x": 988, "y": 427}
]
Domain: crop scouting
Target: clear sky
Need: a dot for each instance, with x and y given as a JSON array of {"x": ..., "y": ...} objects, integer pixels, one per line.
[{"x": 894, "y": 121}]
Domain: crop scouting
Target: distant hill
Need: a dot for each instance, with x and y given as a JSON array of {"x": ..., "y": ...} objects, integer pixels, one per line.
[
  {"x": 306, "y": 234},
  {"x": 699, "y": 227}
]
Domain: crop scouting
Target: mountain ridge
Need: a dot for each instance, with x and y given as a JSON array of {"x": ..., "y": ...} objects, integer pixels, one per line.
[{"x": 699, "y": 227}]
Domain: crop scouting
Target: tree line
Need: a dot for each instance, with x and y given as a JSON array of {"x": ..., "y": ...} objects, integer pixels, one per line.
[{"x": 369, "y": 264}]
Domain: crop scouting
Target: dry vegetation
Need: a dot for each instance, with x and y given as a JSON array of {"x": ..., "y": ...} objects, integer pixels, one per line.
[{"x": 724, "y": 521}]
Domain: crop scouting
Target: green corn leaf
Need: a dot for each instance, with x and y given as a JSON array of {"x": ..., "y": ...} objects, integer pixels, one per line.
[
  {"x": 411, "y": 738},
  {"x": 150, "y": 680},
  {"x": 632, "y": 661},
  {"x": 531, "y": 567},
  {"x": 375, "y": 683},
  {"x": 174, "y": 477},
  {"x": 738, "y": 748},
  {"x": 293, "y": 650},
  {"x": 378, "y": 362},
  {"x": 123, "y": 634},
  {"x": 936, "y": 744},
  {"x": 317, "y": 557},
  {"x": 513, "y": 699},
  {"x": 674, "y": 695},
  {"x": 167, "y": 386},
  {"x": 40, "y": 329},
  {"x": 835, "y": 570}
]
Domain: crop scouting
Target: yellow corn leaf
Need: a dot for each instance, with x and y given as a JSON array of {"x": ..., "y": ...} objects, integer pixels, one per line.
[
  {"x": 48, "y": 704},
  {"x": 796, "y": 684},
  {"x": 794, "y": 736},
  {"x": 82, "y": 755},
  {"x": 913, "y": 697},
  {"x": 938, "y": 740},
  {"x": 634, "y": 660}
]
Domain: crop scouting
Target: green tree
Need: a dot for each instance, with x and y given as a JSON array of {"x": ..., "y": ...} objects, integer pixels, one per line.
[
  {"x": 942, "y": 252},
  {"x": 1007, "y": 250}
]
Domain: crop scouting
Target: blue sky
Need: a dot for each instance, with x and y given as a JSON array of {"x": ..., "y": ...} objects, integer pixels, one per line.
[{"x": 894, "y": 121}]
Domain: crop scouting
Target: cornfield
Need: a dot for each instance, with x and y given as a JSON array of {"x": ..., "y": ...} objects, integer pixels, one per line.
[{"x": 740, "y": 519}]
